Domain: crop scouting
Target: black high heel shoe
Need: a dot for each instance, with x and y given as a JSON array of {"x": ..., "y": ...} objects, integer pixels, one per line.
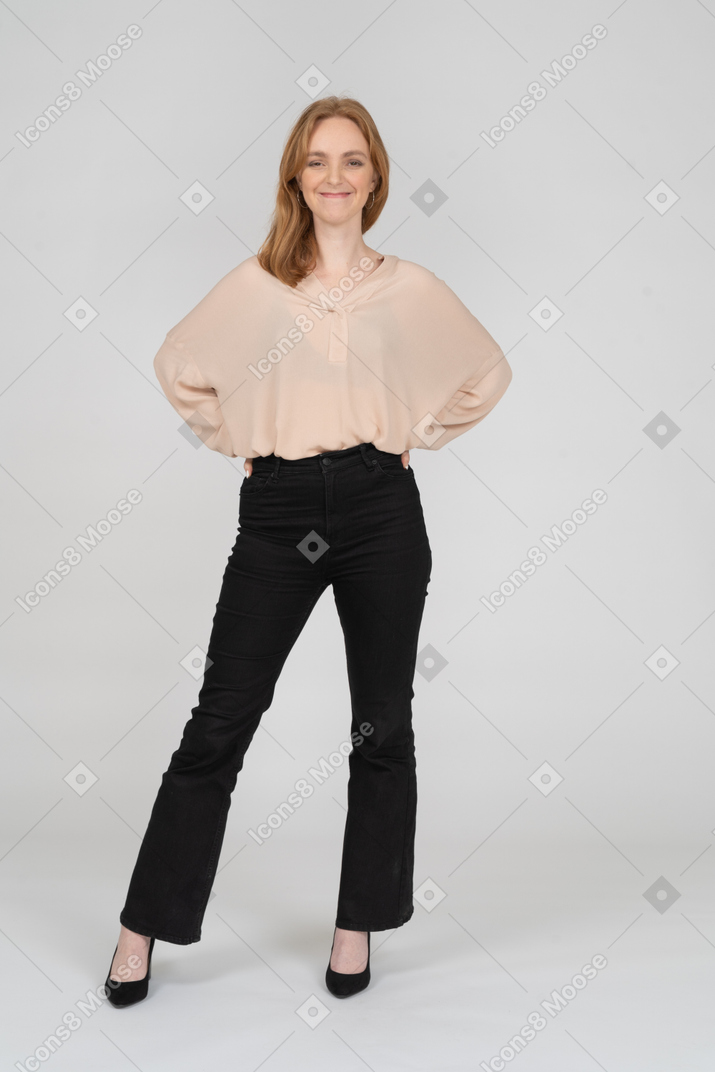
[
  {"x": 121, "y": 994},
  {"x": 343, "y": 984}
]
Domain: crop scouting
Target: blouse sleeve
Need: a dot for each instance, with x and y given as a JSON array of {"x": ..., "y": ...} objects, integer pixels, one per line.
[
  {"x": 475, "y": 399},
  {"x": 191, "y": 396}
]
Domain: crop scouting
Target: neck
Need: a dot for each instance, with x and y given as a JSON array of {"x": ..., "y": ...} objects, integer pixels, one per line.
[{"x": 339, "y": 249}]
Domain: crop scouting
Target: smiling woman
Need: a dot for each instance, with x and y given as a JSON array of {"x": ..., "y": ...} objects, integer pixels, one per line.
[
  {"x": 335, "y": 170},
  {"x": 384, "y": 357}
]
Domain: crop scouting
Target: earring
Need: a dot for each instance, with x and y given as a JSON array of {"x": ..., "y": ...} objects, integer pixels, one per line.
[
  {"x": 371, "y": 203},
  {"x": 299, "y": 201}
]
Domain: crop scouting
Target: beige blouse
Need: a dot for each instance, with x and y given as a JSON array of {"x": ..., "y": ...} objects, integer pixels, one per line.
[{"x": 390, "y": 356}]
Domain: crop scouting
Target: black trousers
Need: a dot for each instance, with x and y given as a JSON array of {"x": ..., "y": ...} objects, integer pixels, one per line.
[{"x": 351, "y": 519}]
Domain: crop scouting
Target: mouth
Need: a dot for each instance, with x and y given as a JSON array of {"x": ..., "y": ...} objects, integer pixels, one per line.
[{"x": 335, "y": 195}]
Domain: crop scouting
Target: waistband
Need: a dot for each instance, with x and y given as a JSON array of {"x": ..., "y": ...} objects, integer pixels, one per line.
[{"x": 363, "y": 453}]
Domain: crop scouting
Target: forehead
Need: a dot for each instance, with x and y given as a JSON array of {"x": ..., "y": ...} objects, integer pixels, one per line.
[{"x": 337, "y": 134}]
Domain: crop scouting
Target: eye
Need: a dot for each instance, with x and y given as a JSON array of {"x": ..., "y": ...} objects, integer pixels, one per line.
[{"x": 319, "y": 162}]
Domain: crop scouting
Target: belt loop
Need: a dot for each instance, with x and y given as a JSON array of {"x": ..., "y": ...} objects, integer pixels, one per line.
[
  {"x": 369, "y": 462},
  {"x": 276, "y": 467}
]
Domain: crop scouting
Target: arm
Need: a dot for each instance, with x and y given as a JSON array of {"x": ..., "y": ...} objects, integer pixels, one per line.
[
  {"x": 476, "y": 398},
  {"x": 190, "y": 395}
]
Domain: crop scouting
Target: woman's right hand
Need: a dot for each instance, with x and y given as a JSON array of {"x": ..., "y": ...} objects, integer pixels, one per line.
[{"x": 248, "y": 466}]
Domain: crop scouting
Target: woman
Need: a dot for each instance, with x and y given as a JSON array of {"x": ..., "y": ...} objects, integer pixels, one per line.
[{"x": 322, "y": 363}]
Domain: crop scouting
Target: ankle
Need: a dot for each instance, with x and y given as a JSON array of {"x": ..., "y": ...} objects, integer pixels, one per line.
[
  {"x": 131, "y": 937},
  {"x": 131, "y": 960}
]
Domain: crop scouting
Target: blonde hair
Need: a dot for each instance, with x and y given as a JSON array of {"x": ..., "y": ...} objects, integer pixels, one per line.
[{"x": 290, "y": 248}]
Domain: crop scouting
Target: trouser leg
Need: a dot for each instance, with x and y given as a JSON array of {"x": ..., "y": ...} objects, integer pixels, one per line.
[
  {"x": 380, "y": 604},
  {"x": 266, "y": 597}
]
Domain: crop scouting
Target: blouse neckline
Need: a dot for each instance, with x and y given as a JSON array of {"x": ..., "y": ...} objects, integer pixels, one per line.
[{"x": 312, "y": 286}]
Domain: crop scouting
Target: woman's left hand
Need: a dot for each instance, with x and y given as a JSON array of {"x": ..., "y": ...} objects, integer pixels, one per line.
[{"x": 405, "y": 458}]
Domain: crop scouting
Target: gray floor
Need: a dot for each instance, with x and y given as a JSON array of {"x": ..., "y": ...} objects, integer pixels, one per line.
[{"x": 449, "y": 991}]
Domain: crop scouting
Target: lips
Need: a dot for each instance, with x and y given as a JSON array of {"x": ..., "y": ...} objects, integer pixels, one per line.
[{"x": 335, "y": 195}]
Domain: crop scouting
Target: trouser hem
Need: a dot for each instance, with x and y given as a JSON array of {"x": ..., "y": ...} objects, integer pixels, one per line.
[
  {"x": 161, "y": 936},
  {"x": 371, "y": 925}
]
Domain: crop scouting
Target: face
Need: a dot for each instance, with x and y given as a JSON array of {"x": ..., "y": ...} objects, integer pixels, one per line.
[{"x": 338, "y": 176}]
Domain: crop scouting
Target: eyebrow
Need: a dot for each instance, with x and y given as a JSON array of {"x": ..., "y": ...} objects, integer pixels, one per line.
[{"x": 353, "y": 152}]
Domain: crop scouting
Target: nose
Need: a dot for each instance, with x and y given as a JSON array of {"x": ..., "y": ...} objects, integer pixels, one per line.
[{"x": 334, "y": 177}]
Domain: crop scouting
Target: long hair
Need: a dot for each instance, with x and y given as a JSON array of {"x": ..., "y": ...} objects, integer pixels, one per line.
[{"x": 290, "y": 248}]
